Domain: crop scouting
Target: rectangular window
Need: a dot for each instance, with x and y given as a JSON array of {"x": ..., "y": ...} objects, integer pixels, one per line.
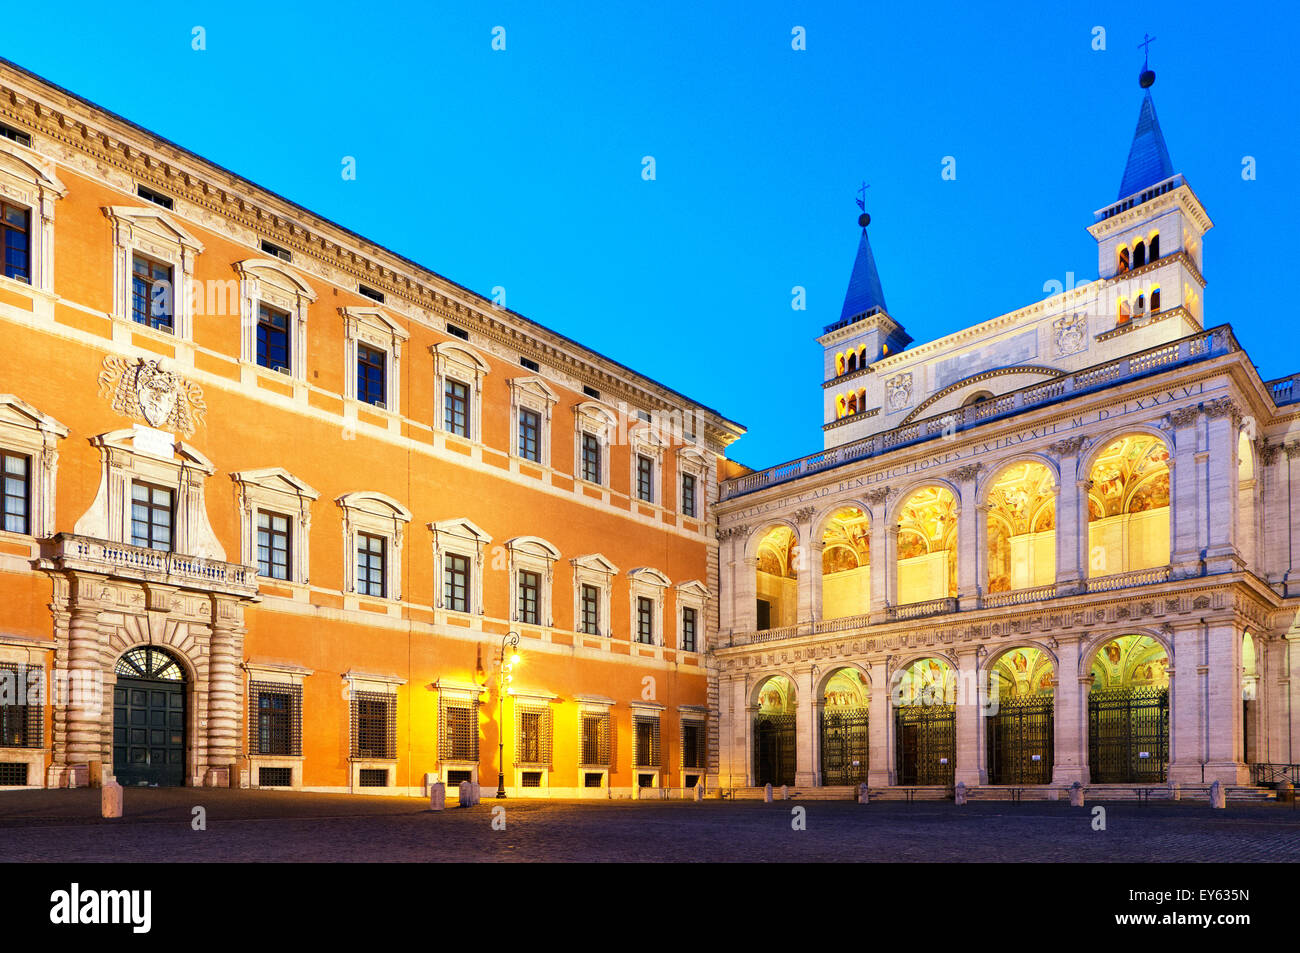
[
  {"x": 371, "y": 375},
  {"x": 20, "y": 723},
  {"x": 151, "y": 516},
  {"x": 275, "y": 718},
  {"x": 157, "y": 198},
  {"x": 530, "y": 590},
  {"x": 530, "y": 435},
  {"x": 591, "y": 458},
  {"x": 590, "y": 608},
  {"x": 17, "y": 492},
  {"x": 272, "y": 249},
  {"x": 152, "y": 293},
  {"x": 9, "y": 132},
  {"x": 374, "y": 725},
  {"x": 647, "y": 741},
  {"x": 532, "y": 735},
  {"x": 455, "y": 582},
  {"x": 272, "y": 545},
  {"x": 645, "y": 620},
  {"x": 371, "y": 556},
  {"x": 688, "y": 630},
  {"x": 16, "y": 233},
  {"x": 645, "y": 468},
  {"x": 272, "y": 338},
  {"x": 455, "y": 410},
  {"x": 688, "y": 494},
  {"x": 692, "y": 744},
  {"x": 458, "y": 730},
  {"x": 595, "y": 740}
]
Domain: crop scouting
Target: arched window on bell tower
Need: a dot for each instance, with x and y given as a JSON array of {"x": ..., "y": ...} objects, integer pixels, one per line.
[
  {"x": 1123, "y": 259},
  {"x": 1153, "y": 246},
  {"x": 1155, "y": 299},
  {"x": 1139, "y": 254}
]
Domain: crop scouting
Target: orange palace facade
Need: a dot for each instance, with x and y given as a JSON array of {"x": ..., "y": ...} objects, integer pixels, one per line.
[{"x": 276, "y": 499}]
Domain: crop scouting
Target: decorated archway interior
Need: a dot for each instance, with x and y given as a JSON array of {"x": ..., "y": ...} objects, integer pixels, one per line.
[
  {"x": 847, "y": 688},
  {"x": 1128, "y": 506},
  {"x": 777, "y": 578},
  {"x": 776, "y": 696},
  {"x": 925, "y": 726},
  {"x": 1022, "y": 528},
  {"x": 927, "y": 681},
  {"x": 1128, "y": 712},
  {"x": 1249, "y": 699},
  {"x": 846, "y": 564},
  {"x": 927, "y": 546},
  {"x": 1131, "y": 661},
  {"x": 1020, "y": 717},
  {"x": 1247, "y": 530},
  {"x": 146, "y": 661},
  {"x": 774, "y": 732},
  {"x": 844, "y": 728},
  {"x": 1022, "y": 673}
]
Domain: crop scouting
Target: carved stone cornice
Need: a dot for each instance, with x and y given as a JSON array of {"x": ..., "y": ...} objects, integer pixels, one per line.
[
  {"x": 967, "y": 473},
  {"x": 804, "y": 514},
  {"x": 726, "y": 532},
  {"x": 1069, "y": 447},
  {"x": 1265, "y": 451},
  {"x": 1292, "y": 449},
  {"x": 1183, "y": 416},
  {"x": 878, "y": 495},
  {"x": 1222, "y": 407}
]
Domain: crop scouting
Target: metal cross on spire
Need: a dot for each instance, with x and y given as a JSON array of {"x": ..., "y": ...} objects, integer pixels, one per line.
[
  {"x": 1145, "y": 45},
  {"x": 862, "y": 196}
]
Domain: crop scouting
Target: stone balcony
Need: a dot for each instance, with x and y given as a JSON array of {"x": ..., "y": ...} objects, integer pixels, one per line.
[{"x": 67, "y": 552}]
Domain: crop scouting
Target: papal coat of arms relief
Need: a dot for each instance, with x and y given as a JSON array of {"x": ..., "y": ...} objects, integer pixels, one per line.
[
  {"x": 899, "y": 391},
  {"x": 1070, "y": 332},
  {"x": 143, "y": 390}
]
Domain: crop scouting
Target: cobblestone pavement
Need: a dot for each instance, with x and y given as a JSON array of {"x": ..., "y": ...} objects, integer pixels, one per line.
[{"x": 284, "y": 826}]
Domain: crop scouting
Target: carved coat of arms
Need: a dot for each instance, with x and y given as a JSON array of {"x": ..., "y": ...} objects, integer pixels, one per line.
[
  {"x": 899, "y": 391},
  {"x": 1071, "y": 331},
  {"x": 144, "y": 390}
]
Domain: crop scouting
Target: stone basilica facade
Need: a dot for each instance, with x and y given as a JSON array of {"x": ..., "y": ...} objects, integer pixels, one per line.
[{"x": 1060, "y": 546}]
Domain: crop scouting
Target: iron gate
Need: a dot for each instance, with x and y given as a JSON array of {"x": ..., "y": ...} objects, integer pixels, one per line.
[
  {"x": 1020, "y": 741},
  {"x": 926, "y": 743},
  {"x": 774, "y": 749},
  {"x": 844, "y": 746},
  {"x": 1128, "y": 735}
]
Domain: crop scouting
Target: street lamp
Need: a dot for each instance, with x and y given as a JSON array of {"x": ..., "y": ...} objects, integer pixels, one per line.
[{"x": 511, "y": 639}]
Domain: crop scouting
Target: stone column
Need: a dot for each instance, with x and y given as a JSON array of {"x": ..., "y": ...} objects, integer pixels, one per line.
[
  {"x": 1291, "y": 551},
  {"x": 968, "y": 768},
  {"x": 1290, "y": 672},
  {"x": 1070, "y": 716},
  {"x": 880, "y": 733},
  {"x": 1221, "y": 502},
  {"x": 969, "y": 558},
  {"x": 1071, "y": 518},
  {"x": 1184, "y": 502},
  {"x": 809, "y": 568},
  {"x": 84, "y": 694},
  {"x": 1187, "y": 697},
  {"x": 225, "y": 690},
  {"x": 746, "y": 604},
  {"x": 1226, "y": 761},
  {"x": 881, "y": 568},
  {"x": 805, "y": 727}
]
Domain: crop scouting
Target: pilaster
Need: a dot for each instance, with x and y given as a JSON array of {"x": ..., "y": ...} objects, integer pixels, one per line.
[{"x": 1070, "y": 718}]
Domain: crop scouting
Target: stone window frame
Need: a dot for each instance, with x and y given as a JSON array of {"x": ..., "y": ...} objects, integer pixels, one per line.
[
  {"x": 262, "y": 281},
  {"x": 533, "y": 554},
  {"x": 594, "y": 569},
  {"x": 691, "y": 460},
  {"x": 647, "y": 582},
  {"x": 367, "y": 511},
  {"x": 453, "y": 693},
  {"x": 647, "y": 710},
  {"x": 26, "y": 430},
  {"x": 692, "y": 594},
  {"x": 697, "y": 715},
  {"x": 461, "y": 537},
  {"x": 382, "y": 685},
  {"x": 374, "y": 328},
  {"x": 276, "y": 490},
  {"x": 599, "y": 420},
  {"x": 292, "y": 676},
  {"x": 153, "y": 234},
  {"x": 135, "y": 454},
  {"x": 453, "y": 361},
  {"x": 645, "y": 441},
  {"x": 532, "y": 393},
  {"x": 27, "y": 178}
]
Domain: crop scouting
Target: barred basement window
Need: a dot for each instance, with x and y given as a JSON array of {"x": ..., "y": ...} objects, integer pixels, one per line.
[
  {"x": 21, "y": 724},
  {"x": 454, "y": 778},
  {"x": 458, "y": 729},
  {"x": 595, "y": 740},
  {"x": 692, "y": 780},
  {"x": 531, "y": 779},
  {"x": 275, "y": 718},
  {"x": 275, "y": 777},
  {"x": 645, "y": 780},
  {"x": 533, "y": 735},
  {"x": 592, "y": 780},
  {"x": 13, "y": 773},
  {"x": 374, "y": 725},
  {"x": 693, "y": 739},
  {"x": 373, "y": 777},
  {"x": 647, "y": 741}
]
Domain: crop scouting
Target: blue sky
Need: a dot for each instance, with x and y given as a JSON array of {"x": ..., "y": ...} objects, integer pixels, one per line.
[{"x": 522, "y": 168}]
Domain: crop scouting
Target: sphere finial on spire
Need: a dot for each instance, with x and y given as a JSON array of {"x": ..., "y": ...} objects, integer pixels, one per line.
[
  {"x": 1146, "y": 78},
  {"x": 864, "y": 219}
]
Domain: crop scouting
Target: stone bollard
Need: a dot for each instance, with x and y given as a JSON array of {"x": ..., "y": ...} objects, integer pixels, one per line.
[
  {"x": 437, "y": 796},
  {"x": 959, "y": 793},
  {"x": 465, "y": 792},
  {"x": 1218, "y": 796},
  {"x": 1076, "y": 794},
  {"x": 110, "y": 799},
  {"x": 785, "y": 792},
  {"x": 863, "y": 796},
  {"x": 699, "y": 792},
  {"x": 1285, "y": 791},
  {"x": 475, "y": 793},
  {"x": 767, "y": 792},
  {"x": 1175, "y": 792}
]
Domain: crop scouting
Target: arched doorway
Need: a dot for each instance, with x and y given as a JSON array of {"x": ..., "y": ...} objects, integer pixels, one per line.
[
  {"x": 925, "y": 722},
  {"x": 1019, "y": 728},
  {"x": 149, "y": 719},
  {"x": 774, "y": 726},
  {"x": 777, "y": 578},
  {"x": 846, "y": 564},
  {"x": 1249, "y": 700},
  {"x": 844, "y": 728},
  {"x": 927, "y": 546},
  {"x": 1128, "y": 506},
  {"x": 1022, "y": 528},
  {"x": 1128, "y": 712}
]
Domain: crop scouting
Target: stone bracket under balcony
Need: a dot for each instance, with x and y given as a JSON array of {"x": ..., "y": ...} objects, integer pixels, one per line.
[{"x": 159, "y": 572}]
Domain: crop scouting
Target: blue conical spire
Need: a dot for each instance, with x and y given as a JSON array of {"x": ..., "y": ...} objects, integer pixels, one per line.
[
  {"x": 864, "y": 291},
  {"x": 1148, "y": 157}
]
